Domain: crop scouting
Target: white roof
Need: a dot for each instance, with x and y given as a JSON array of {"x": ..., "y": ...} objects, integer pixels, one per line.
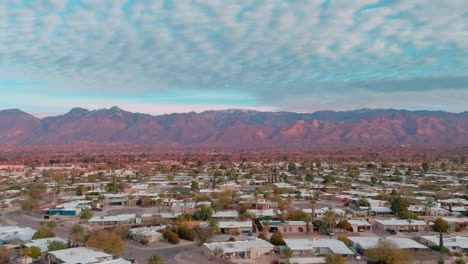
[
  {"x": 461, "y": 242},
  {"x": 259, "y": 213},
  {"x": 234, "y": 224},
  {"x": 112, "y": 218},
  {"x": 223, "y": 214},
  {"x": 402, "y": 222},
  {"x": 14, "y": 232},
  {"x": 401, "y": 242},
  {"x": 81, "y": 255},
  {"x": 43, "y": 243},
  {"x": 359, "y": 222},
  {"x": 334, "y": 245},
  {"x": 239, "y": 246},
  {"x": 455, "y": 219}
]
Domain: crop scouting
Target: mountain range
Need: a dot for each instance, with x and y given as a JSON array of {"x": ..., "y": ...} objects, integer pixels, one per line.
[{"x": 237, "y": 128}]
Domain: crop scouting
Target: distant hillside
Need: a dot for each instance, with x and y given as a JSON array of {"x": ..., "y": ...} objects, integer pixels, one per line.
[{"x": 237, "y": 128}]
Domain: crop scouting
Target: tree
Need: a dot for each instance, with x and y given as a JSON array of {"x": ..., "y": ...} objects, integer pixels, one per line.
[
  {"x": 5, "y": 254},
  {"x": 345, "y": 240},
  {"x": 388, "y": 252},
  {"x": 56, "y": 245},
  {"x": 76, "y": 232},
  {"x": 86, "y": 214},
  {"x": 425, "y": 166},
  {"x": 262, "y": 236},
  {"x": 266, "y": 227},
  {"x": 440, "y": 225},
  {"x": 329, "y": 220},
  {"x": 399, "y": 205},
  {"x": 287, "y": 253},
  {"x": 171, "y": 237},
  {"x": 186, "y": 232},
  {"x": 107, "y": 241},
  {"x": 44, "y": 232},
  {"x": 33, "y": 252},
  {"x": 155, "y": 259},
  {"x": 194, "y": 186},
  {"x": 203, "y": 234},
  {"x": 277, "y": 239},
  {"x": 48, "y": 224},
  {"x": 344, "y": 224},
  {"x": 335, "y": 259},
  {"x": 29, "y": 205}
]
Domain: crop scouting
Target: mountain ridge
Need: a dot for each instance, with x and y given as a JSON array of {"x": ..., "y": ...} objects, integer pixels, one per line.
[{"x": 237, "y": 128}]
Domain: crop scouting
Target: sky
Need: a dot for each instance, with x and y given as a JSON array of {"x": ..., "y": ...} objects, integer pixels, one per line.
[{"x": 163, "y": 56}]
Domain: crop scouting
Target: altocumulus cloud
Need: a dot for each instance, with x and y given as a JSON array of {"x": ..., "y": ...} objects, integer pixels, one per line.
[{"x": 299, "y": 55}]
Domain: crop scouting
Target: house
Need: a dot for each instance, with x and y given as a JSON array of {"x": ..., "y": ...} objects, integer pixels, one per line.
[
  {"x": 235, "y": 227},
  {"x": 150, "y": 234},
  {"x": 248, "y": 249},
  {"x": 73, "y": 208},
  {"x": 360, "y": 225},
  {"x": 454, "y": 222},
  {"x": 360, "y": 244},
  {"x": 82, "y": 255},
  {"x": 400, "y": 224},
  {"x": 286, "y": 226},
  {"x": 15, "y": 233},
  {"x": 312, "y": 247},
  {"x": 114, "y": 219},
  {"x": 456, "y": 244},
  {"x": 363, "y": 211},
  {"x": 320, "y": 212},
  {"x": 43, "y": 243},
  {"x": 428, "y": 211},
  {"x": 225, "y": 215},
  {"x": 261, "y": 213}
]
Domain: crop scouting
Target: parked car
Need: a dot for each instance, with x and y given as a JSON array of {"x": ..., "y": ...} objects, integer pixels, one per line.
[{"x": 390, "y": 231}]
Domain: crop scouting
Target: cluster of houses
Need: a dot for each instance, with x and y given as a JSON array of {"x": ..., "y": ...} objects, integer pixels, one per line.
[{"x": 258, "y": 203}]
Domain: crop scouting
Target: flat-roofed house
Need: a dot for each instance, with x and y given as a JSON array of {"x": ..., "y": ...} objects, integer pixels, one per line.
[
  {"x": 400, "y": 224},
  {"x": 82, "y": 255},
  {"x": 457, "y": 244},
  {"x": 113, "y": 219},
  {"x": 312, "y": 247},
  {"x": 245, "y": 250}
]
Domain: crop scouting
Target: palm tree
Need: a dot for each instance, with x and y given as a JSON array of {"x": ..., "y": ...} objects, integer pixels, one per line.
[
  {"x": 308, "y": 220},
  {"x": 213, "y": 223},
  {"x": 155, "y": 259},
  {"x": 76, "y": 231},
  {"x": 313, "y": 206},
  {"x": 409, "y": 224},
  {"x": 266, "y": 227}
]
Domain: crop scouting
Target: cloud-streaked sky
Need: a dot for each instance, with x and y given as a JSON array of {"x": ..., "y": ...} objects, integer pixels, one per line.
[{"x": 161, "y": 56}]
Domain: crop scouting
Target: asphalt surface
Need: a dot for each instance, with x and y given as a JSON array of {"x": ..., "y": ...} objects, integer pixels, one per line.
[{"x": 132, "y": 251}]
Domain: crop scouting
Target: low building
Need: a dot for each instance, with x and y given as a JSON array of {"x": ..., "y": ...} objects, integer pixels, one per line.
[
  {"x": 314, "y": 247},
  {"x": 286, "y": 226},
  {"x": 247, "y": 249},
  {"x": 12, "y": 233},
  {"x": 360, "y": 225},
  {"x": 457, "y": 222},
  {"x": 43, "y": 243},
  {"x": 320, "y": 212},
  {"x": 360, "y": 244},
  {"x": 235, "y": 227},
  {"x": 400, "y": 224},
  {"x": 455, "y": 244},
  {"x": 113, "y": 219},
  {"x": 82, "y": 255},
  {"x": 225, "y": 215}
]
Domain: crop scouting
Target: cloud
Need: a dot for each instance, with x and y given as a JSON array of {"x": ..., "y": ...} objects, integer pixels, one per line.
[{"x": 320, "y": 50}]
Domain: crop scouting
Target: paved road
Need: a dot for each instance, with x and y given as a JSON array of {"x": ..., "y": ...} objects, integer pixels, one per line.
[
  {"x": 141, "y": 254},
  {"x": 137, "y": 252}
]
